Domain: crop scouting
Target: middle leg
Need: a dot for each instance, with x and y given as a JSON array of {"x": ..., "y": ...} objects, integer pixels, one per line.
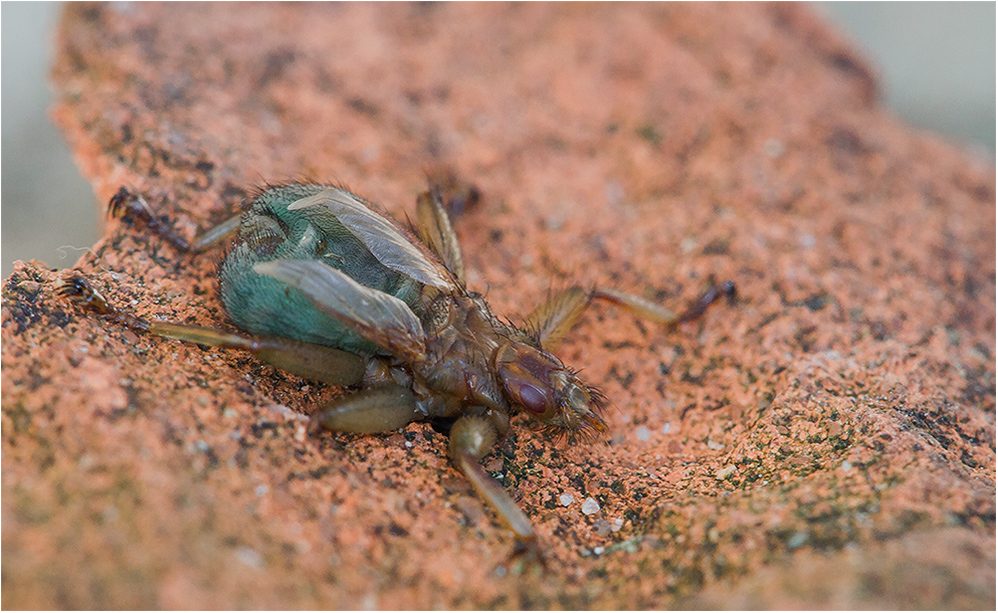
[{"x": 381, "y": 408}]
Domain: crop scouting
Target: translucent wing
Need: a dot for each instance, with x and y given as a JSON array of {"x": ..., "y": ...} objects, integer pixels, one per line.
[
  {"x": 380, "y": 318},
  {"x": 436, "y": 231},
  {"x": 382, "y": 237}
]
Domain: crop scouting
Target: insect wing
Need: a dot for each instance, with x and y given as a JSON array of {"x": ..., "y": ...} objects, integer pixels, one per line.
[
  {"x": 436, "y": 231},
  {"x": 385, "y": 241},
  {"x": 380, "y": 318}
]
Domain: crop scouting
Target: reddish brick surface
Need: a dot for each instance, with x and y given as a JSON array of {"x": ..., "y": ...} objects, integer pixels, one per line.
[{"x": 829, "y": 441}]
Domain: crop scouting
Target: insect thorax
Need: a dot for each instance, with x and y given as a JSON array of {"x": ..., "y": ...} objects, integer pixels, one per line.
[{"x": 462, "y": 336}]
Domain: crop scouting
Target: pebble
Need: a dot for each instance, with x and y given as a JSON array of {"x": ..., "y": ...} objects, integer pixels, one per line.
[
  {"x": 249, "y": 557},
  {"x": 590, "y": 506},
  {"x": 773, "y": 147},
  {"x": 797, "y": 540}
]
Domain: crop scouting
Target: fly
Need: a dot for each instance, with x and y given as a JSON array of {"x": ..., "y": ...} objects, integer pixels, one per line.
[{"x": 324, "y": 286}]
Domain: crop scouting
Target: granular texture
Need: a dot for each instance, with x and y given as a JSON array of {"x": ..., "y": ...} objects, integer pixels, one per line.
[{"x": 827, "y": 441}]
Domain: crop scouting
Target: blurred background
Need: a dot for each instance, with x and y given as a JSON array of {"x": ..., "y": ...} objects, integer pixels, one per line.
[{"x": 935, "y": 60}]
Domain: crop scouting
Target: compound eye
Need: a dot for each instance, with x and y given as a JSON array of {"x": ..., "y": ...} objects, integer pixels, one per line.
[{"x": 532, "y": 398}]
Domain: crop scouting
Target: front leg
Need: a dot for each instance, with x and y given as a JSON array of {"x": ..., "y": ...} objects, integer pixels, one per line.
[
  {"x": 471, "y": 438},
  {"x": 552, "y": 320},
  {"x": 387, "y": 407}
]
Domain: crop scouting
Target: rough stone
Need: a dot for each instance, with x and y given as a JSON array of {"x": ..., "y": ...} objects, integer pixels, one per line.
[{"x": 848, "y": 397}]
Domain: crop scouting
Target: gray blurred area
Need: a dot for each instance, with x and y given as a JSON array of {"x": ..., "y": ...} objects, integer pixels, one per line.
[
  {"x": 46, "y": 207},
  {"x": 936, "y": 61}
]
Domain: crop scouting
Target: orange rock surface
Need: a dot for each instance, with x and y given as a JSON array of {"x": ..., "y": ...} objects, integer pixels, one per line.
[{"x": 828, "y": 441}]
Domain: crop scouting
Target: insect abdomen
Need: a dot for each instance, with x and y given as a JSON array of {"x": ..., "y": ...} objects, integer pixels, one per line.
[{"x": 265, "y": 306}]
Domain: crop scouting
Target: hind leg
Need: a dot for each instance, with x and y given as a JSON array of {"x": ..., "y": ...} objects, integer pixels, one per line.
[{"x": 307, "y": 360}]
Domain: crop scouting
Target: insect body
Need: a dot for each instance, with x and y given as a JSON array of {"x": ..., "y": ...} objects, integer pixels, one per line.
[{"x": 329, "y": 289}]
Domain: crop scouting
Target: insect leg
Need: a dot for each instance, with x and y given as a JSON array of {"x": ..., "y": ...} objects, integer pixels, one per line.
[
  {"x": 650, "y": 310},
  {"x": 553, "y": 319},
  {"x": 133, "y": 207},
  {"x": 307, "y": 360},
  {"x": 446, "y": 198},
  {"x": 382, "y": 408},
  {"x": 304, "y": 359},
  {"x": 471, "y": 437},
  {"x": 435, "y": 230},
  {"x": 456, "y": 195}
]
